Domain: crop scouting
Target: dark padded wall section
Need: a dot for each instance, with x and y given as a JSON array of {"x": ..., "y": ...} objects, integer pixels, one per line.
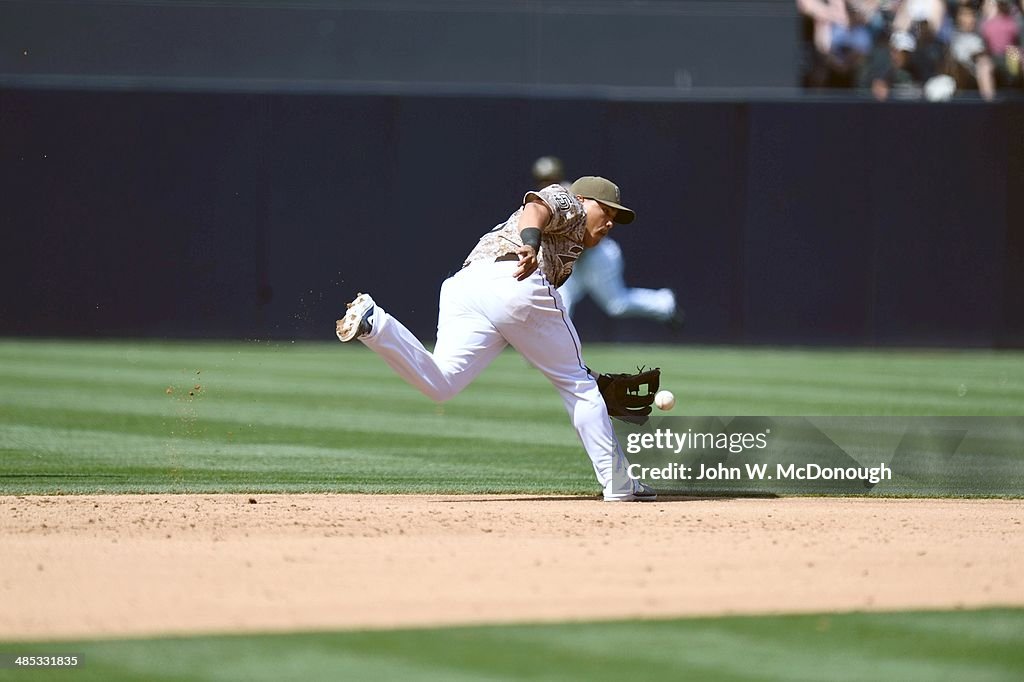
[{"x": 256, "y": 216}]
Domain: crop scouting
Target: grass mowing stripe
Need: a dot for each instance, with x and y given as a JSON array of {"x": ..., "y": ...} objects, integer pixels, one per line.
[
  {"x": 820, "y": 358},
  {"x": 887, "y": 383},
  {"x": 317, "y": 362},
  {"x": 115, "y": 447},
  {"x": 975, "y": 645},
  {"x": 316, "y": 359},
  {"x": 364, "y": 419},
  {"x": 392, "y": 393},
  {"x": 840, "y": 400},
  {"x": 45, "y": 459},
  {"x": 353, "y": 365},
  {"x": 755, "y": 366},
  {"x": 233, "y": 432}
]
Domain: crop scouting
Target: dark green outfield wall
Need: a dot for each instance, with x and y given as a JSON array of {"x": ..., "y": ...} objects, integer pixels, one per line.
[{"x": 259, "y": 215}]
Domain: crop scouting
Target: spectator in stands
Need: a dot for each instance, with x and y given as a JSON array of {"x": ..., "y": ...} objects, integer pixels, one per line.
[
  {"x": 850, "y": 46},
  {"x": 968, "y": 62},
  {"x": 911, "y": 13},
  {"x": 880, "y": 24},
  {"x": 898, "y": 79},
  {"x": 841, "y": 40},
  {"x": 811, "y": 59},
  {"x": 1001, "y": 32},
  {"x": 929, "y": 57}
]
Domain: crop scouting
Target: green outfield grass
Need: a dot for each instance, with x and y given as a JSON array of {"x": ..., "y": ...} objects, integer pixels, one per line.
[
  {"x": 964, "y": 645},
  {"x": 124, "y": 416}
]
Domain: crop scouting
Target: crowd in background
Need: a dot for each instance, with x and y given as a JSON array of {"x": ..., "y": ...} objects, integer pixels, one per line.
[{"x": 909, "y": 49}]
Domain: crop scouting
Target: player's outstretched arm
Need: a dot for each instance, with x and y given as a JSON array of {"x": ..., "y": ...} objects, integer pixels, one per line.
[{"x": 535, "y": 215}]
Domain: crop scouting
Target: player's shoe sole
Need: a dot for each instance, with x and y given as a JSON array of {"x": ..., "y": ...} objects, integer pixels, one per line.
[
  {"x": 641, "y": 493},
  {"x": 356, "y": 322}
]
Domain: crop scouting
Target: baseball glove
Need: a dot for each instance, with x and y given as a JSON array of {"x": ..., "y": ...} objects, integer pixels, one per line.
[{"x": 623, "y": 395}]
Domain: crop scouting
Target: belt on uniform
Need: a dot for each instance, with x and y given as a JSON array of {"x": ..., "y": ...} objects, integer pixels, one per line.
[{"x": 500, "y": 259}]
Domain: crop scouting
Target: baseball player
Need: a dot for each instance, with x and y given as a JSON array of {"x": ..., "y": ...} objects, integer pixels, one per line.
[
  {"x": 506, "y": 294},
  {"x": 598, "y": 271}
]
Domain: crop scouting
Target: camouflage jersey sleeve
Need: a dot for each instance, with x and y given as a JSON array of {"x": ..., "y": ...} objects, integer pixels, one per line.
[{"x": 561, "y": 239}]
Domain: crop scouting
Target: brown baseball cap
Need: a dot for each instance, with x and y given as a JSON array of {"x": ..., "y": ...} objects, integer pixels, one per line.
[{"x": 603, "y": 191}]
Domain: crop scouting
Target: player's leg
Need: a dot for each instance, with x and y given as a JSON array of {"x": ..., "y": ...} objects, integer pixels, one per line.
[
  {"x": 548, "y": 340},
  {"x": 604, "y": 281},
  {"x": 466, "y": 343}
]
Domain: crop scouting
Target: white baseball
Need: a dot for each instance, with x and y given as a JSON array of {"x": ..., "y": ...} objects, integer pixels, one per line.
[{"x": 664, "y": 400}]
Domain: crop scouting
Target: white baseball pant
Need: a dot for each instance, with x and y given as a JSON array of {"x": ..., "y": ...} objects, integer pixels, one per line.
[{"x": 482, "y": 309}]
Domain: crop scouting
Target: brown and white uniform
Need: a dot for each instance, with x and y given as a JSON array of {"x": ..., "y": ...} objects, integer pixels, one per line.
[
  {"x": 561, "y": 241},
  {"x": 483, "y": 308}
]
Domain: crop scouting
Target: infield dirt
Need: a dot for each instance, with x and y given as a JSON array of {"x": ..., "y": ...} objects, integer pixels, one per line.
[{"x": 103, "y": 566}]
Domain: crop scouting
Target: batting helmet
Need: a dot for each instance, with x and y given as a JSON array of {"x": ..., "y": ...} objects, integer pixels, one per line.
[{"x": 548, "y": 170}]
